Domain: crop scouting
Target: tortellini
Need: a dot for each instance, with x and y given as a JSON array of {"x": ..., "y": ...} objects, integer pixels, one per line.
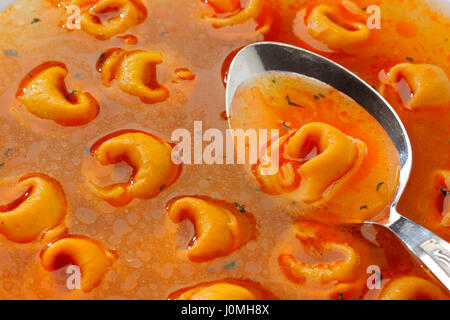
[
  {"x": 325, "y": 25},
  {"x": 38, "y": 205},
  {"x": 93, "y": 259},
  {"x": 223, "y": 290},
  {"x": 342, "y": 270},
  {"x": 44, "y": 94},
  {"x": 134, "y": 72},
  {"x": 313, "y": 161},
  {"x": 441, "y": 187},
  {"x": 128, "y": 13},
  {"x": 252, "y": 11},
  {"x": 427, "y": 85},
  {"x": 412, "y": 288},
  {"x": 148, "y": 155},
  {"x": 219, "y": 228},
  {"x": 225, "y": 5}
]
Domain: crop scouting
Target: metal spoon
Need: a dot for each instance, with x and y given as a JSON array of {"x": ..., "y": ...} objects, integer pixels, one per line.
[{"x": 258, "y": 58}]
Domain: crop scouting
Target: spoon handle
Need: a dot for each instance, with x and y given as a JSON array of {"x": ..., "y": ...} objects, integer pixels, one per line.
[{"x": 433, "y": 251}]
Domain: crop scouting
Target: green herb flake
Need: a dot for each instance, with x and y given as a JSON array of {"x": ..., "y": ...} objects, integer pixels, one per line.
[
  {"x": 445, "y": 192},
  {"x": 162, "y": 187},
  {"x": 379, "y": 185},
  {"x": 230, "y": 265},
  {"x": 285, "y": 126},
  {"x": 363, "y": 207},
  {"x": 239, "y": 207},
  {"x": 87, "y": 150},
  {"x": 11, "y": 53},
  {"x": 316, "y": 97},
  {"x": 2, "y": 165},
  {"x": 341, "y": 296},
  {"x": 35, "y": 20},
  {"x": 409, "y": 59},
  {"x": 292, "y": 103},
  {"x": 322, "y": 95}
]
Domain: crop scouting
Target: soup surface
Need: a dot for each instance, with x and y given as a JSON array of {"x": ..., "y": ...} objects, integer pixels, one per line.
[{"x": 87, "y": 178}]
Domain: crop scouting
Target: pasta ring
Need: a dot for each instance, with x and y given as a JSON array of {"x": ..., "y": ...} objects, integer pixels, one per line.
[
  {"x": 135, "y": 73},
  {"x": 130, "y": 13},
  {"x": 322, "y": 26},
  {"x": 412, "y": 288},
  {"x": 424, "y": 80}
]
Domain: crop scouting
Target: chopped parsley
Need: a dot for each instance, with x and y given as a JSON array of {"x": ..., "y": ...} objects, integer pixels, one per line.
[
  {"x": 379, "y": 185},
  {"x": 162, "y": 187},
  {"x": 363, "y": 207},
  {"x": 2, "y": 165},
  {"x": 239, "y": 207},
  {"x": 11, "y": 53},
  {"x": 35, "y": 20},
  {"x": 409, "y": 59},
  {"x": 341, "y": 296},
  {"x": 445, "y": 192},
  {"x": 285, "y": 126},
  {"x": 292, "y": 103}
]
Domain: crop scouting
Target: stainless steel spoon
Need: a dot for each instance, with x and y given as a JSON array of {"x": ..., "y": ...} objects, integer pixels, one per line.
[{"x": 258, "y": 58}]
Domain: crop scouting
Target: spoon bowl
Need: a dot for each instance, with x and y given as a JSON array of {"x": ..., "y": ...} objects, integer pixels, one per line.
[{"x": 262, "y": 57}]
